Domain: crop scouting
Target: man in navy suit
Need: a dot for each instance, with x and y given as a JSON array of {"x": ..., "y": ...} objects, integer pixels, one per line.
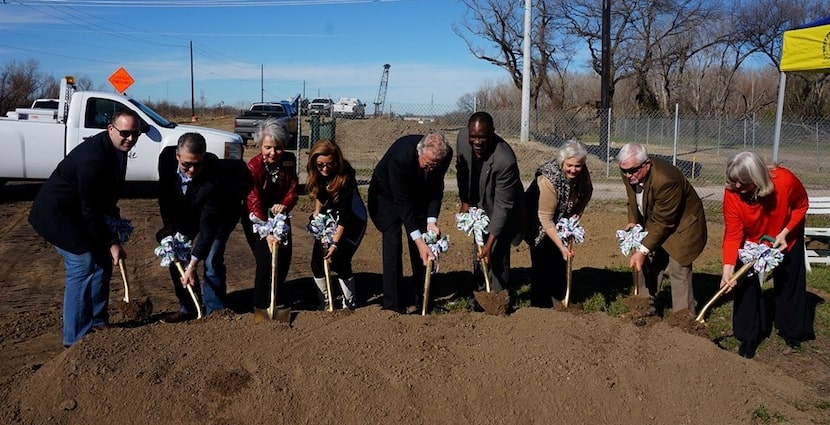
[
  {"x": 406, "y": 189},
  {"x": 71, "y": 210},
  {"x": 195, "y": 202}
]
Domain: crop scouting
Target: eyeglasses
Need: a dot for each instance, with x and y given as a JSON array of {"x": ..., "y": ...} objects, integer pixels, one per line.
[
  {"x": 633, "y": 170},
  {"x": 127, "y": 133},
  {"x": 324, "y": 165},
  {"x": 189, "y": 165}
]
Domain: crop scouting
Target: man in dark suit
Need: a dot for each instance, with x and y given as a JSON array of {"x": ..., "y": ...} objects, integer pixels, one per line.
[
  {"x": 71, "y": 210},
  {"x": 195, "y": 202},
  {"x": 488, "y": 178},
  {"x": 667, "y": 206},
  {"x": 406, "y": 189}
]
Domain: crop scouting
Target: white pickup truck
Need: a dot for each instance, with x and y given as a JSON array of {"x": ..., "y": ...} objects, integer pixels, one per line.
[
  {"x": 349, "y": 107},
  {"x": 34, "y": 140}
]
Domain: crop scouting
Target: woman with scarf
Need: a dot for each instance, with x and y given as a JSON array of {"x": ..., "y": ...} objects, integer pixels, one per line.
[
  {"x": 274, "y": 192},
  {"x": 332, "y": 185},
  {"x": 766, "y": 200},
  {"x": 561, "y": 188}
]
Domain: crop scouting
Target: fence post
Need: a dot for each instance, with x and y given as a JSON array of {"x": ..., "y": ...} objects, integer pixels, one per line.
[{"x": 676, "y": 119}]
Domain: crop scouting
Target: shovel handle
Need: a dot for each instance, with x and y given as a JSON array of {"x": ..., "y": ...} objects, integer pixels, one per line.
[
  {"x": 190, "y": 291},
  {"x": 272, "y": 304},
  {"x": 569, "y": 274},
  {"x": 742, "y": 271},
  {"x": 327, "y": 271},
  {"x": 123, "y": 269},
  {"x": 484, "y": 270},
  {"x": 427, "y": 279},
  {"x": 635, "y": 277}
]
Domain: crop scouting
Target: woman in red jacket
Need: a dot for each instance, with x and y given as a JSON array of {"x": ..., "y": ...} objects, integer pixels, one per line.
[
  {"x": 274, "y": 191},
  {"x": 761, "y": 200}
]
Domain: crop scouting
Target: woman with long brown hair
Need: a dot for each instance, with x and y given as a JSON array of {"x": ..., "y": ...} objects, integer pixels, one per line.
[{"x": 332, "y": 185}]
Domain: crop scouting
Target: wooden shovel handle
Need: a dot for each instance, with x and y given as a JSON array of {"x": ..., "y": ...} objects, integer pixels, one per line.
[
  {"x": 123, "y": 268},
  {"x": 327, "y": 271},
  {"x": 742, "y": 271},
  {"x": 190, "y": 291},
  {"x": 484, "y": 270},
  {"x": 427, "y": 278},
  {"x": 272, "y": 303},
  {"x": 569, "y": 273}
]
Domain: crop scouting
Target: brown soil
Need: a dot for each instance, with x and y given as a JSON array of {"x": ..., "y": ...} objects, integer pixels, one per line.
[
  {"x": 374, "y": 366},
  {"x": 494, "y": 303},
  {"x": 135, "y": 310}
]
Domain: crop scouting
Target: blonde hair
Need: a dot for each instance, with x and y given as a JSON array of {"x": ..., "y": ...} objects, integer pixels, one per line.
[{"x": 748, "y": 167}]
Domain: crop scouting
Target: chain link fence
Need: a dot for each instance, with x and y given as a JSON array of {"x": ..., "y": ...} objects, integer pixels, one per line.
[{"x": 699, "y": 146}]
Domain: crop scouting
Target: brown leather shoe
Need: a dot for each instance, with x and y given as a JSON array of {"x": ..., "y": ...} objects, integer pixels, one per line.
[{"x": 176, "y": 317}]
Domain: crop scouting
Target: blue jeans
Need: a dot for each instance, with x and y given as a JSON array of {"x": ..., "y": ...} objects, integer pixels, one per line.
[
  {"x": 214, "y": 287},
  {"x": 86, "y": 294}
]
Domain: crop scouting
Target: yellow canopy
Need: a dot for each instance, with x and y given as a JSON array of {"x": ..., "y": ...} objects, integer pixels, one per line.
[{"x": 807, "y": 48}]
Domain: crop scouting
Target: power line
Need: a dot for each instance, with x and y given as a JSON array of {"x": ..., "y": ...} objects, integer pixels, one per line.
[{"x": 196, "y": 3}]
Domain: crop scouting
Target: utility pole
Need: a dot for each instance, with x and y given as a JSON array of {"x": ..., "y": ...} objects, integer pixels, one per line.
[
  {"x": 193, "y": 116},
  {"x": 262, "y": 83},
  {"x": 524, "y": 134},
  {"x": 605, "y": 78}
]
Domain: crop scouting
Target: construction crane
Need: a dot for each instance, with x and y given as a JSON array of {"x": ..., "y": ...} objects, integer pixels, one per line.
[{"x": 384, "y": 81}]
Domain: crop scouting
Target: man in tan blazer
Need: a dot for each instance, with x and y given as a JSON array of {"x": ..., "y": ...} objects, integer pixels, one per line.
[{"x": 667, "y": 206}]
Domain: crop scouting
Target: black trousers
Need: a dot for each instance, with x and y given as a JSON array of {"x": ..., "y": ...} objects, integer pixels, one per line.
[
  {"x": 547, "y": 279},
  {"x": 397, "y": 295},
  {"x": 791, "y": 316},
  {"x": 341, "y": 261},
  {"x": 262, "y": 277}
]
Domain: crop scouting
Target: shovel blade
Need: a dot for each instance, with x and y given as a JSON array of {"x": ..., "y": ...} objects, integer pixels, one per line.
[{"x": 279, "y": 314}]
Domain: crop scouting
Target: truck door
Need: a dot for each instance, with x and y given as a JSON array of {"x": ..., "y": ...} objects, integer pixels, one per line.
[{"x": 143, "y": 157}]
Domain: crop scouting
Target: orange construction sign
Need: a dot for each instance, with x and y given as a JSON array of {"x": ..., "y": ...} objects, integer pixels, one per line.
[{"x": 121, "y": 80}]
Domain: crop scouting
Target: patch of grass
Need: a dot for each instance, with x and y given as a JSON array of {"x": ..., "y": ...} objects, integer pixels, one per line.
[
  {"x": 762, "y": 415},
  {"x": 454, "y": 306},
  {"x": 594, "y": 303},
  {"x": 617, "y": 307},
  {"x": 823, "y": 405},
  {"x": 521, "y": 297}
]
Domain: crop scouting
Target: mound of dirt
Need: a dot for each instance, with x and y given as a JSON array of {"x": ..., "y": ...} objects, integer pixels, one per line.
[{"x": 535, "y": 366}]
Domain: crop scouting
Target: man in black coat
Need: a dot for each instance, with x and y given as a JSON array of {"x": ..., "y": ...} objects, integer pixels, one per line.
[
  {"x": 406, "y": 189},
  {"x": 198, "y": 198},
  {"x": 71, "y": 211}
]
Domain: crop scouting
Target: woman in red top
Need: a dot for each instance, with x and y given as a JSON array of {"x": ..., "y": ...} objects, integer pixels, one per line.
[
  {"x": 274, "y": 191},
  {"x": 758, "y": 201}
]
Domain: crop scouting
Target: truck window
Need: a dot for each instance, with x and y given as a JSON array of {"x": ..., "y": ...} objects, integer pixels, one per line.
[{"x": 99, "y": 112}]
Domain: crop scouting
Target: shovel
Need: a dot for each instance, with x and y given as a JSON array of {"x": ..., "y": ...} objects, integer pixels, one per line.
[
  {"x": 635, "y": 276},
  {"x": 327, "y": 271},
  {"x": 568, "y": 277},
  {"x": 272, "y": 312},
  {"x": 426, "y": 287},
  {"x": 123, "y": 270},
  {"x": 190, "y": 291},
  {"x": 484, "y": 270},
  {"x": 742, "y": 271}
]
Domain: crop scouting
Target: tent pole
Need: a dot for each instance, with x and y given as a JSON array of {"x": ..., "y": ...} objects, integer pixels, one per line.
[{"x": 779, "y": 113}]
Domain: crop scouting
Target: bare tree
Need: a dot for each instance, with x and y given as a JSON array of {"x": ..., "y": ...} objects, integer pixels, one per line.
[
  {"x": 494, "y": 32},
  {"x": 20, "y": 82}
]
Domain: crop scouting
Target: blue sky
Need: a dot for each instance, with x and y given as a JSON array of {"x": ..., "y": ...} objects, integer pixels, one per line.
[{"x": 337, "y": 48}]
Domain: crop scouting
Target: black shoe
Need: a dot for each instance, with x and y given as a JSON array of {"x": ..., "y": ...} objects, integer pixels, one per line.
[
  {"x": 793, "y": 346},
  {"x": 176, "y": 317},
  {"x": 747, "y": 348}
]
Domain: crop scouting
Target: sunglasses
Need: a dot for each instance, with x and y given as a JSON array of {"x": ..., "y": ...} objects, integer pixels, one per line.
[
  {"x": 125, "y": 133},
  {"x": 189, "y": 165},
  {"x": 325, "y": 165},
  {"x": 633, "y": 170}
]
